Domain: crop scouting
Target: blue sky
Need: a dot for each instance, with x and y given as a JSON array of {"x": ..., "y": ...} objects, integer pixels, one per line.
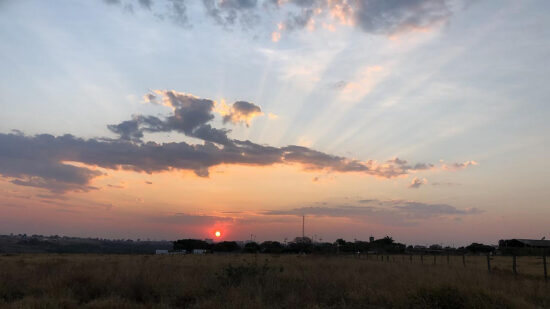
[{"x": 428, "y": 81}]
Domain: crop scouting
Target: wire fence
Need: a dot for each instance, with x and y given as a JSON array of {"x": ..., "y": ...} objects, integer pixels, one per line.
[{"x": 518, "y": 265}]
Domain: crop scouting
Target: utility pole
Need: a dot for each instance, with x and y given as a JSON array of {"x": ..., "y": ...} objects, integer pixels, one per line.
[{"x": 303, "y": 227}]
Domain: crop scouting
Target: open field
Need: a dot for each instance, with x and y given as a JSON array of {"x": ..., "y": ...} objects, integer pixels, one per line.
[{"x": 255, "y": 281}]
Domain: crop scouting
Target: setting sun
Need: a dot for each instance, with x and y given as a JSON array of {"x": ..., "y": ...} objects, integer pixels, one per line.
[{"x": 218, "y": 234}]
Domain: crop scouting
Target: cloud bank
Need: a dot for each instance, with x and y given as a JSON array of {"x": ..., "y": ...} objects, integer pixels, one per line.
[
  {"x": 386, "y": 17},
  {"x": 390, "y": 212},
  {"x": 68, "y": 163}
]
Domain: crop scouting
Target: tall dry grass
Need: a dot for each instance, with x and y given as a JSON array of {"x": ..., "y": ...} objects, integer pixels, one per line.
[{"x": 258, "y": 281}]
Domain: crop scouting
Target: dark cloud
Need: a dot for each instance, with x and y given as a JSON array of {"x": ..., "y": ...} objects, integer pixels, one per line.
[
  {"x": 178, "y": 12},
  {"x": 228, "y": 12},
  {"x": 190, "y": 117},
  {"x": 393, "y": 16},
  {"x": 371, "y": 16},
  {"x": 145, "y": 4},
  {"x": 242, "y": 111},
  {"x": 36, "y": 164},
  {"x": 44, "y": 161}
]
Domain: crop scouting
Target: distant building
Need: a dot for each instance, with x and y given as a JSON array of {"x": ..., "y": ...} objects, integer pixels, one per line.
[
  {"x": 524, "y": 243},
  {"x": 371, "y": 239},
  {"x": 161, "y": 251}
]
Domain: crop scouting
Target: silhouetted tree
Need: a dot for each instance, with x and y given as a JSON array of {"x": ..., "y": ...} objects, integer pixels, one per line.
[
  {"x": 190, "y": 244},
  {"x": 271, "y": 247},
  {"x": 479, "y": 248},
  {"x": 227, "y": 246},
  {"x": 251, "y": 247}
]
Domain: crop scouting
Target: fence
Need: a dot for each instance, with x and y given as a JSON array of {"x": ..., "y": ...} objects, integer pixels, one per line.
[{"x": 524, "y": 265}]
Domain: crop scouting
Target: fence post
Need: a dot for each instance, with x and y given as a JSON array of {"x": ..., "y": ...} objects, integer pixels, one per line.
[
  {"x": 464, "y": 260},
  {"x": 514, "y": 265},
  {"x": 544, "y": 265},
  {"x": 387, "y": 258},
  {"x": 488, "y": 262}
]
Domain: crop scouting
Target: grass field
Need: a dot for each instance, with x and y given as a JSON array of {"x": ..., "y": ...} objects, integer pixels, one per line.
[{"x": 258, "y": 281}]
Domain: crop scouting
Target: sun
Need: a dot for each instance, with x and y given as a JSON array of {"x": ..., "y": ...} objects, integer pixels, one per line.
[{"x": 218, "y": 234}]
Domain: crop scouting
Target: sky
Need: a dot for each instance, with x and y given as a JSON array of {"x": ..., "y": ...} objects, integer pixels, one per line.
[{"x": 425, "y": 120}]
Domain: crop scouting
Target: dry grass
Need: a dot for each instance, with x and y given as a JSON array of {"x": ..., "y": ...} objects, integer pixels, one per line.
[{"x": 249, "y": 281}]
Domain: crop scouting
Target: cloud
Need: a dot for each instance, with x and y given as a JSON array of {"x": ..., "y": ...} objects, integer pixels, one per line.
[
  {"x": 36, "y": 166},
  {"x": 379, "y": 17},
  {"x": 394, "y": 16},
  {"x": 67, "y": 163},
  {"x": 178, "y": 12},
  {"x": 190, "y": 117},
  {"x": 422, "y": 210},
  {"x": 385, "y": 17},
  {"x": 446, "y": 184},
  {"x": 417, "y": 182},
  {"x": 390, "y": 212},
  {"x": 116, "y": 186},
  {"x": 228, "y": 12},
  {"x": 240, "y": 112},
  {"x": 189, "y": 219},
  {"x": 146, "y": 4},
  {"x": 112, "y": 2},
  {"x": 458, "y": 166}
]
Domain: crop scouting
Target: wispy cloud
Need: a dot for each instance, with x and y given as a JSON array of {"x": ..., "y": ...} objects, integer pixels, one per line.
[
  {"x": 190, "y": 219},
  {"x": 390, "y": 212}
]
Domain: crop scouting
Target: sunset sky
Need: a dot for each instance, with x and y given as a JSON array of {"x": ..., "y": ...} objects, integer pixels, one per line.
[{"x": 425, "y": 120}]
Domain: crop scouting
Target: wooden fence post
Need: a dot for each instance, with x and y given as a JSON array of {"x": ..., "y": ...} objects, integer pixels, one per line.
[
  {"x": 464, "y": 260},
  {"x": 544, "y": 266},
  {"x": 488, "y": 262}
]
